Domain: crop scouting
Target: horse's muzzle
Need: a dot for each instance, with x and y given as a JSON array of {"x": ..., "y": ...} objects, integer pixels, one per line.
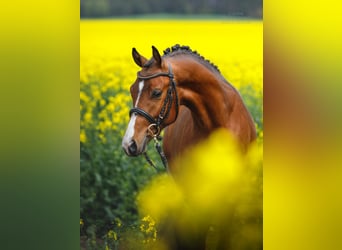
[{"x": 132, "y": 148}]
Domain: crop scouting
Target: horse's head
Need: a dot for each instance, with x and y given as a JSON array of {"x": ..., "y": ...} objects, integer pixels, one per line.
[{"x": 155, "y": 102}]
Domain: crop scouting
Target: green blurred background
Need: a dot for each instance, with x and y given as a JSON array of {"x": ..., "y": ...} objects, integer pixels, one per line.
[{"x": 117, "y": 8}]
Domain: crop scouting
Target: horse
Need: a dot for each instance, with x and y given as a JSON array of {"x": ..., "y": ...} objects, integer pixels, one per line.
[{"x": 186, "y": 96}]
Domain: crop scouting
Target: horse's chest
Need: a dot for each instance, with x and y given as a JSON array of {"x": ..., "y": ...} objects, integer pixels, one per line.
[{"x": 181, "y": 135}]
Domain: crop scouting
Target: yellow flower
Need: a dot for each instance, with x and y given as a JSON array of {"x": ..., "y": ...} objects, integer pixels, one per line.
[
  {"x": 84, "y": 97},
  {"x": 110, "y": 107},
  {"x": 104, "y": 125},
  {"x": 83, "y": 137},
  {"x": 118, "y": 222},
  {"x": 112, "y": 235},
  {"x": 102, "y": 138},
  {"x": 102, "y": 102},
  {"x": 104, "y": 88},
  {"x": 88, "y": 117},
  {"x": 81, "y": 222},
  {"x": 103, "y": 114},
  {"x": 148, "y": 225},
  {"x": 97, "y": 95}
]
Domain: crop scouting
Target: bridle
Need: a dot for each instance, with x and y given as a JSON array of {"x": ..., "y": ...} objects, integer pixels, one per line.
[
  {"x": 167, "y": 105},
  {"x": 154, "y": 128}
]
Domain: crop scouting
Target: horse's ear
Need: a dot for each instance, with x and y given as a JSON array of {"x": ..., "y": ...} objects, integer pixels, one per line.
[
  {"x": 156, "y": 56},
  {"x": 138, "y": 59}
]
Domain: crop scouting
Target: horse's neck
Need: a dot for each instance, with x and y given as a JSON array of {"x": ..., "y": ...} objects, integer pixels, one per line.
[
  {"x": 211, "y": 103},
  {"x": 205, "y": 94}
]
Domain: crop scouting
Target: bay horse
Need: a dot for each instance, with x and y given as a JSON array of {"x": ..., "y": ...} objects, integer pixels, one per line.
[{"x": 186, "y": 95}]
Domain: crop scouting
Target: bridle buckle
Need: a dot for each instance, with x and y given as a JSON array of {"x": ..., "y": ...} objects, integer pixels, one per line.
[{"x": 153, "y": 130}]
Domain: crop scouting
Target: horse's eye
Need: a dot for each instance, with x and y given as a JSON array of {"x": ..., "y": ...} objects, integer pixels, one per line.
[{"x": 156, "y": 93}]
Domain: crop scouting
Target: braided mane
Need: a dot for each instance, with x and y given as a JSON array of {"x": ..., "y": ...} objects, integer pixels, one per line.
[{"x": 177, "y": 49}]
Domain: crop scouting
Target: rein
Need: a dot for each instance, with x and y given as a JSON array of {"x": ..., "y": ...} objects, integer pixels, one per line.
[{"x": 154, "y": 128}]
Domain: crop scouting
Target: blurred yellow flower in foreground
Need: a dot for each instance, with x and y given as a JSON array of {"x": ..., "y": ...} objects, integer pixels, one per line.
[{"x": 217, "y": 186}]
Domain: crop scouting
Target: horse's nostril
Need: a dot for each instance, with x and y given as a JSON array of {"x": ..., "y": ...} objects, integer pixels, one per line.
[{"x": 132, "y": 148}]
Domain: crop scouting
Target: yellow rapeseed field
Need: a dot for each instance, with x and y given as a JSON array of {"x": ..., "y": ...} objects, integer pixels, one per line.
[
  {"x": 105, "y": 57},
  {"x": 229, "y": 44}
]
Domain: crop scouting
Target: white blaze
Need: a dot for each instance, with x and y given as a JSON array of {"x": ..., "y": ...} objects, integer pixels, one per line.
[
  {"x": 141, "y": 86},
  {"x": 130, "y": 128}
]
